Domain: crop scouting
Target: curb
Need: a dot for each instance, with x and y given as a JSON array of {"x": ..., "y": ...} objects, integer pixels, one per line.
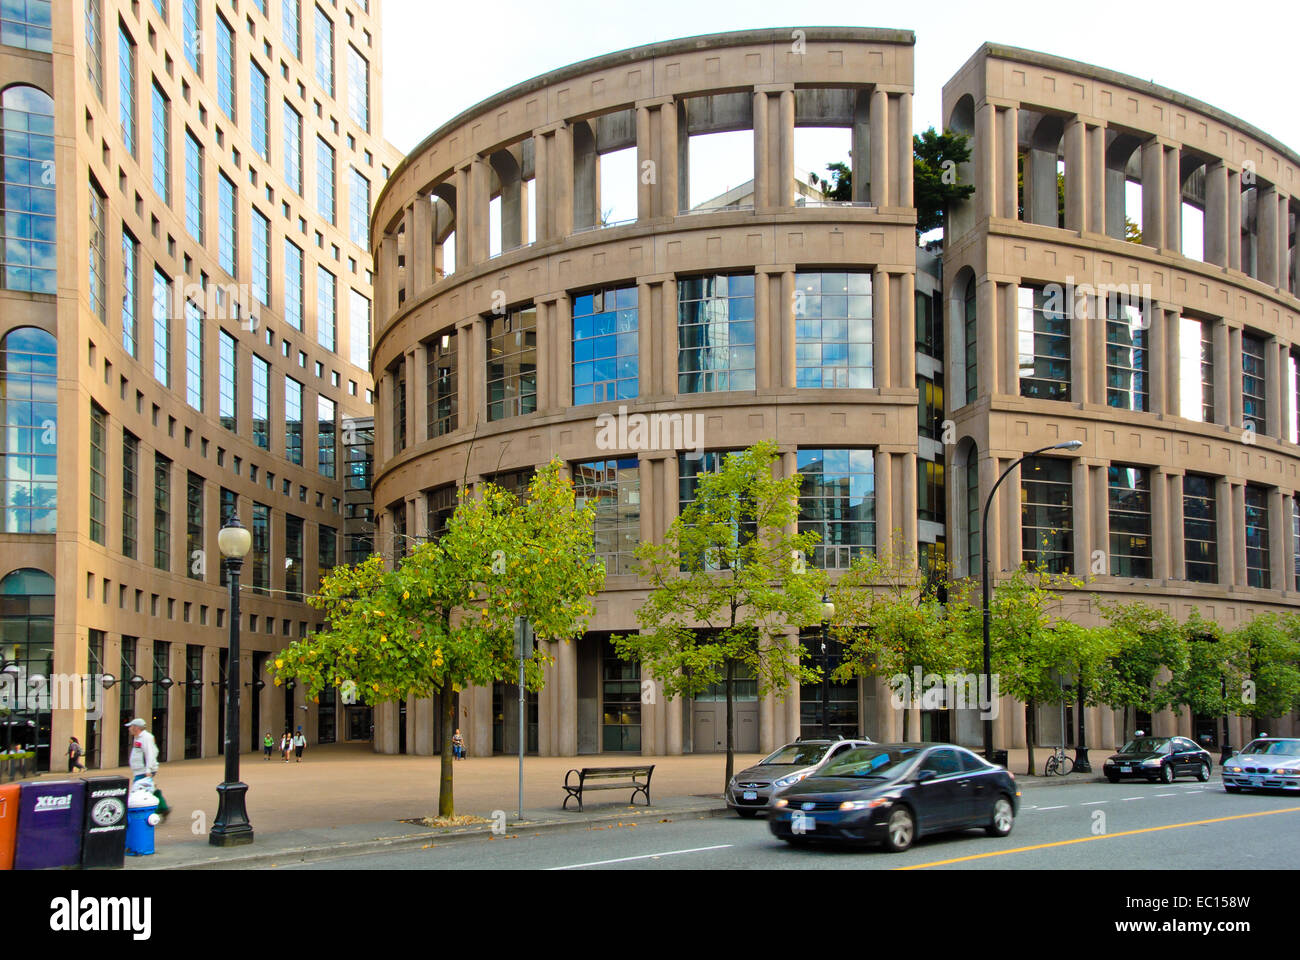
[{"x": 309, "y": 854}]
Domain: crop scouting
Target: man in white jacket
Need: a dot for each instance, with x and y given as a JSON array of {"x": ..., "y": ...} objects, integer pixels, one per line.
[{"x": 144, "y": 759}]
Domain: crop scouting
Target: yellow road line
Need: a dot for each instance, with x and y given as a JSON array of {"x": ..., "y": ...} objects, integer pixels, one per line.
[{"x": 1104, "y": 836}]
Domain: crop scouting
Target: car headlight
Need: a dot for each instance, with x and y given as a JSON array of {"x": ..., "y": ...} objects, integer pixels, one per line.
[
  {"x": 1153, "y": 762},
  {"x": 863, "y": 804},
  {"x": 1233, "y": 769},
  {"x": 789, "y": 781},
  {"x": 1288, "y": 771},
  {"x": 780, "y": 802}
]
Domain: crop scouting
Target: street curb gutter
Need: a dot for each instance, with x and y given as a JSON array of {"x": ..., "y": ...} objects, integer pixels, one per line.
[{"x": 309, "y": 854}]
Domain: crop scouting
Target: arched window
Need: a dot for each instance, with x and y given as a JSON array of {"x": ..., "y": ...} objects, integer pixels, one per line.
[
  {"x": 26, "y": 24},
  {"x": 29, "y": 412},
  {"x": 27, "y": 191}
]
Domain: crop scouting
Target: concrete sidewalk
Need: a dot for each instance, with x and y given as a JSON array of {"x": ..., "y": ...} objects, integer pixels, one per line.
[{"x": 345, "y": 797}]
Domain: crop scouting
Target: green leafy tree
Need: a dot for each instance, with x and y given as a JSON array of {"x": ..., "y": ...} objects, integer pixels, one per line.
[
  {"x": 1151, "y": 656},
  {"x": 936, "y": 158},
  {"x": 839, "y": 186},
  {"x": 726, "y": 584},
  {"x": 1217, "y": 664},
  {"x": 1271, "y": 646},
  {"x": 444, "y": 619}
]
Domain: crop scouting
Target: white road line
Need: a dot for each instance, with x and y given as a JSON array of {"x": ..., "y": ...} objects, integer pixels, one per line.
[
  {"x": 1060, "y": 806},
  {"x": 645, "y": 856},
  {"x": 1135, "y": 798},
  {"x": 1166, "y": 794},
  {"x": 1093, "y": 803}
]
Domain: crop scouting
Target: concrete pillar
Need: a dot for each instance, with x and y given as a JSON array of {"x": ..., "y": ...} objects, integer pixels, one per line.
[
  {"x": 1006, "y": 178},
  {"x": 1234, "y": 219},
  {"x": 1173, "y": 375},
  {"x": 566, "y": 669},
  {"x": 1005, "y": 353},
  {"x": 667, "y": 339},
  {"x": 1095, "y": 151},
  {"x": 907, "y": 519},
  {"x": 1076, "y": 175},
  {"x": 881, "y": 336},
  {"x": 767, "y": 351},
  {"x": 905, "y": 327},
  {"x": 1086, "y": 335},
  {"x": 1266, "y": 260},
  {"x": 785, "y": 330},
  {"x": 901, "y": 114},
  {"x": 1290, "y": 573},
  {"x": 1173, "y": 200},
  {"x": 645, "y": 154},
  {"x": 1222, "y": 366},
  {"x": 586, "y": 176},
  {"x": 986, "y": 301},
  {"x": 783, "y": 195},
  {"x": 477, "y": 376},
  {"x": 417, "y": 417},
  {"x": 1161, "y": 540},
  {"x": 479, "y": 218},
  {"x": 986, "y": 154},
  {"x": 861, "y": 147},
  {"x": 884, "y": 503},
  {"x": 764, "y": 163},
  {"x": 1177, "y": 520},
  {"x": 464, "y": 221},
  {"x": 1081, "y": 489},
  {"x": 1216, "y": 214},
  {"x": 880, "y": 187},
  {"x": 1273, "y": 391},
  {"x": 1279, "y": 538},
  {"x": 1234, "y": 377},
  {"x": 1099, "y": 502},
  {"x": 1236, "y": 520},
  {"x": 1153, "y": 195},
  {"x": 669, "y": 167},
  {"x": 419, "y": 244}
]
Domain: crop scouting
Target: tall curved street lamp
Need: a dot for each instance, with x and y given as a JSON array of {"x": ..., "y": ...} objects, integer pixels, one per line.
[
  {"x": 232, "y": 828},
  {"x": 828, "y": 611},
  {"x": 984, "y": 565}
]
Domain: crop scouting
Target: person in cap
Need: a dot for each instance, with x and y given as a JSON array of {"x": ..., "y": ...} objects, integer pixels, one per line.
[{"x": 144, "y": 760}]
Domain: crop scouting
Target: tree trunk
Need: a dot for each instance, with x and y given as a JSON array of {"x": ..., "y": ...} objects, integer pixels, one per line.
[
  {"x": 446, "y": 808},
  {"x": 731, "y": 743},
  {"x": 1123, "y": 732},
  {"x": 906, "y": 711},
  {"x": 1031, "y": 732}
]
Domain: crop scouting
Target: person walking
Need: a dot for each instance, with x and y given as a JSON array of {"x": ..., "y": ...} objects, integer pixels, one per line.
[
  {"x": 75, "y": 753},
  {"x": 457, "y": 745},
  {"x": 299, "y": 742},
  {"x": 286, "y": 744},
  {"x": 144, "y": 761},
  {"x": 267, "y": 744}
]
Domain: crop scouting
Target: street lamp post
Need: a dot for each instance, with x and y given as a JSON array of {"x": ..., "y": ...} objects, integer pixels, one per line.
[
  {"x": 1225, "y": 751},
  {"x": 828, "y": 611},
  {"x": 984, "y": 565},
  {"x": 232, "y": 827}
]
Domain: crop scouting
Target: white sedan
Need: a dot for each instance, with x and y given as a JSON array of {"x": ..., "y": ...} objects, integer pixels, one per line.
[{"x": 1267, "y": 763}]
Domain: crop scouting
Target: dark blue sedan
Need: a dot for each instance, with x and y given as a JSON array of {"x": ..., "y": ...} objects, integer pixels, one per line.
[{"x": 892, "y": 793}]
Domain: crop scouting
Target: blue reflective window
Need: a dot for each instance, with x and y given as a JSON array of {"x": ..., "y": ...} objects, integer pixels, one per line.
[
  {"x": 605, "y": 355},
  {"x": 325, "y": 180},
  {"x": 27, "y": 211},
  {"x": 225, "y": 67},
  {"x": 162, "y": 153},
  {"x": 837, "y": 500},
  {"x": 130, "y": 292},
  {"x": 228, "y": 382},
  {"x": 227, "y": 225},
  {"x": 293, "y": 148},
  {"x": 28, "y": 445},
  {"x": 261, "y": 402},
  {"x": 193, "y": 187},
  {"x": 715, "y": 334},
  {"x": 832, "y": 318},
  {"x": 259, "y": 108},
  {"x": 126, "y": 88},
  {"x": 193, "y": 355},
  {"x": 326, "y": 309},
  {"x": 162, "y": 336},
  {"x": 358, "y": 208},
  {"x": 191, "y": 25},
  {"x": 293, "y": 284},
  {"x": 324, "y": 51},
  {"x": 26, "y": 23}
]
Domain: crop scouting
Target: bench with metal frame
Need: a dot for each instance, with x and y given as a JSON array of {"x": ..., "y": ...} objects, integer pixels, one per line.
[{"x": 627, "y": 778}]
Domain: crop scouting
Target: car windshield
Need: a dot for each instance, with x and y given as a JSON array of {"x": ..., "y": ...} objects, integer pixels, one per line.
[
  {"x": 1274, "y": 748},
  {"x": 1147, "y": 745},
  {"x": 799, "y": 754},
  {"x": 881, "y": 763}
]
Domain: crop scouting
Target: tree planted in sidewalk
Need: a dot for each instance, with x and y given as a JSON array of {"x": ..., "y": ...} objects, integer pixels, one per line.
[
  {"x": 727, "y": 585},
  {"x": 1217, "y": 666},
  {"x": 1270, "y": 645},
  {"x": 1150, "y": 659},
  {"x": 443, "y": 620}
]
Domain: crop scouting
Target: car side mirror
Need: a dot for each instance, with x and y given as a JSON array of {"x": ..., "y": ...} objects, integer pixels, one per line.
[{"x": 925, "y": 775}]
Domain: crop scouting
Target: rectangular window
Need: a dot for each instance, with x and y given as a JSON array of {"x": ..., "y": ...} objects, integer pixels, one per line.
[
  {"x": 442, "y": 384},
  {"x": 261, "y": 256},
  {"x": 193, "y": 187},
  {"x": 327, "y": 550},
  {"x": 259, "y": 110},
  {"x": 291, "y": 26},
  {"x": 26, "y": 24},
  {"x": 440, "y": 507},
  {"x": 974, "y": 541},
  {"x": 614, "y": 488},
  {"x": 261, "y": 552},
  {"x": 326, "y": 431},
  {"x": 293, "y": 557},
  {"x": 98, "y": 472},
  {"x": 1047, "y": 514},
  {"x": 832, "y": 318},
  {"x": 293, "y": 279},
  {"x": 1200, "y": 529},
  {"x": 292, "y": 420},
  {"x": 837, "y": 500},
  {"x": 358, "y": 208},
  {"x": 1127, "y": 366},
  {"x": 162, "y": 336},
  {"x": 715, "y": 334},
  {"x": 929, "y": 409},
  {"x": 162, "y": 150},
  {"x": 359, "y": 329},
  {"x": 689, "y": 471},
  {"x": 1130, "y": 521},
  {"x": 94, "y": 46},
  {"x": 930, "y": 491},
  {"x": 130, "y": 494},
  {"x": 358, "y": 89},
  {"x": 929, "y": 325},
  {"x": 324, "y": 52},
  {"x": 1253, "y": 401},
  {"x": 162, "y": 512},
  {"x": 1257, "y": 545},
  {"x": 971, "y": 334},
  {"x": 227, "y": 225},
  {"x": 261, "y": 403},
  {"x": 1195, "y": 369},
  {"x": 293, "y": 148},
  {"x": 605, "y": 365},
  {"x": 195, "y": 555},
  {"x": 326, "y": 304},
  {"x": 225, "y": 67},
  {"x": 325, "y": 180},
  {"x": 130, "y": 292},
  {"x": 228, "y": 382},
  {"x": 126, "y": 88},
  {"x": 399, "y": 408},
  {"x": 191, "y": 36},
  {"x": 98, "y": 251},
  {"x": 193, "y": 355},
  {"x": 1044, "y": 346},
  {"x": 512, "y": 363}
]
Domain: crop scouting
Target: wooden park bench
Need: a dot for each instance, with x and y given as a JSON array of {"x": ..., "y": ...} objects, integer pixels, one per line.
[{"x": 608, "y": 778}]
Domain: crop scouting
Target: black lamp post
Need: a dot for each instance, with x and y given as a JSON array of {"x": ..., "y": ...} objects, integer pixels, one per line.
[
  {"x": 8, "y": 669},
  {"x": 232, "y": 827},
  {"x": 1081, "y": 764},
  {"x": 984, "y": 564},
  {"x": 1225, "y": 751},
  {"x": 828, "y": 611}
]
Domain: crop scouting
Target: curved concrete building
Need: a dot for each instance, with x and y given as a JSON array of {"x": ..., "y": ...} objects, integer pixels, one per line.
[{"x": 516, "y": 322}]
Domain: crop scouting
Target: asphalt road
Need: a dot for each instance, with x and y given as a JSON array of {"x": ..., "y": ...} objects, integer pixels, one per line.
[{"x": 1182, "y": 826}]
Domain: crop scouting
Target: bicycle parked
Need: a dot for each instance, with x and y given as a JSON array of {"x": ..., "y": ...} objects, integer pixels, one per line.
[{"x": 1058, "y": 764}]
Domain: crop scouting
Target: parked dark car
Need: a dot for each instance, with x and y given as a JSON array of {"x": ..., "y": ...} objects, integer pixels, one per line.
[
  {"x": 751, "y": 789},
  {"x": 1158, "y": 759},
  {"x": 893, "y": 793}
]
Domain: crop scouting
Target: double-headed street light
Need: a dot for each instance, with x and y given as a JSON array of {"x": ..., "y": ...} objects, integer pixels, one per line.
[
  {"x": 828, "y": 611},
  {"x": 984, "y": 564},
  {"x": 232, "y": 827}
]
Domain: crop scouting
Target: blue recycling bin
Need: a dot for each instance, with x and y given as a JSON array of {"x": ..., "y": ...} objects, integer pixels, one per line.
[
  {"x": 50, "y": 817},
  {"x": 141, "y": 806}
]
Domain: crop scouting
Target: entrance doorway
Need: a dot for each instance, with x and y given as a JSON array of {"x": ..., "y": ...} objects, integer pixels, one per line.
[
  {"x": 505, "y": 718},
  {"x": 360, "y": 723}
]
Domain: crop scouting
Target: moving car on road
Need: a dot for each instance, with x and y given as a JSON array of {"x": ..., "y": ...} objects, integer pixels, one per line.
[
  {"x": 1158, "y": 759},
  {"x": 1266, "y": 763},
  {"x": 895, "y": 792},
  {"x": 752, "y": 788}
]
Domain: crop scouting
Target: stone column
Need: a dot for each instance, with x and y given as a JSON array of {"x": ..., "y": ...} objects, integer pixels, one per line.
[
  {"x": 1161, "y": 541},
  {"x": 1273, "y": 405},
  {"x": 1006, "y": 176},
  {"x": 648, "y": 364},
  {"x": 1289, "y": 559},
  {"x": 1279, "y": 538},
  {"x": 670, "y": 161},
  {"x": 764, "y": 174},
  {"x": 1266, "y": 209},
  {"x": 1234, "y": 219},
  {"x": 1083, "y": 507},
  {"x": 1236, "y": 520},
  {"x": 986, "y": 302},
  {"x": 464, "y": 220},
  {"x": 1177, "y": 549},
  {"x": 905, "y": 328},
  {"x": 985, "y": 150},
  {"x": 881, "y": 336},
  {"x": 1173, "y": 200},
  {"x": 1076, "y": 174},
  {"x": 478, "y": 375},
  {"x": 908, "y": 502},
  {"x": 667, "y": 322},
  {"x": 880, "y": 191},
  {"x": 1234, "y": 378},
  {"x": 419, "y": 242},
  {"x": 1216, "y": 213},
  {"x": 645, "y": 154},
  {"x": 417, "y": 397},
  {"x": 766, "y": 349},
  {"x": 784, "y": 144},
  {"x": 902, "y": 173},
  {"x": 1153, "y": 195},
  {"x": 1159, "y": 369},
  {"x": 1286, "y": 389},
  {"x": 1005, "y": 353},
  {"x": 1086, "y": 337},
  {"x": 1096, "y": 201},
  {"x": 1173, "y": 374},
  {"x": 1222, "y": 371},
  {"x": 884, "y": 503},
  {"x": 566, "y": 669}
]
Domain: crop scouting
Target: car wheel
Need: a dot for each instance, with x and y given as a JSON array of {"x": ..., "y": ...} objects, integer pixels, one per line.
[
  {"x": 900, "y": 831},
  {"x": 746, "y": 814},
  {"x": 1113, "y": 778},
  {"x": 1167, "y": 773},
  {"x": 1203, "y": 772},
  {"x": 1228, "y": 789},
  {"x": 1003, "y": 820}
]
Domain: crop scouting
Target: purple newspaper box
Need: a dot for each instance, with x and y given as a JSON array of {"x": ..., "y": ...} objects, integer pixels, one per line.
[{"x": 49, "y": 825}]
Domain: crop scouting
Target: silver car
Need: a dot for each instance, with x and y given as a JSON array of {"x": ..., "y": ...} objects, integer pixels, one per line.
[
  {"x": 750, "y": 790},
  {"x": 1267, "y": 763}
]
